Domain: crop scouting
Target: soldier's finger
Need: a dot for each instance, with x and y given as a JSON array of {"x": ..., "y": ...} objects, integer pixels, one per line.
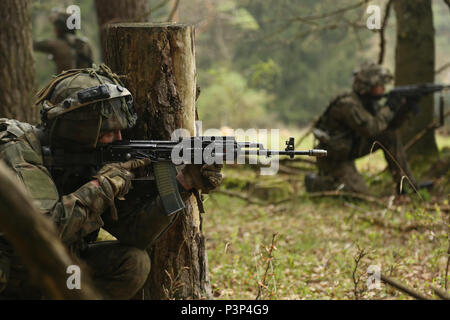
[
  {"x": 215, "y": 181},
  {"x": 210, "y": 173},
  {"x": 136, "y": 163}
]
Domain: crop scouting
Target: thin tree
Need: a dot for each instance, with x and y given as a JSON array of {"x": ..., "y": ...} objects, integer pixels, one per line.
[
  {"x": 17, "y": 72},
  {"x": 415, "y": 63}
]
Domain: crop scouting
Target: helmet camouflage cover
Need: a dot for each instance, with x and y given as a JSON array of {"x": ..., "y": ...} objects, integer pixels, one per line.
[
  {"x": 79, "y": 105},
  {"x": 368, "y": 76}
]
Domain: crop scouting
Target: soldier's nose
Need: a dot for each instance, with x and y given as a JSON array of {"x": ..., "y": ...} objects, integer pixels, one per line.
[{"x": 118, "y": 135}]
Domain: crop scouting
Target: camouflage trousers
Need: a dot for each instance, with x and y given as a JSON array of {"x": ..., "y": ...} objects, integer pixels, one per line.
[
  {"x": 117, "y": 271},
  {"x": 341, "y": 173}
]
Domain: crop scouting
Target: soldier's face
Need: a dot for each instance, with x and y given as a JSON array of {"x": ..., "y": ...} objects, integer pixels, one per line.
[
  {"x": 111, "y": 136},
  {"x": 378, "y": 90}
]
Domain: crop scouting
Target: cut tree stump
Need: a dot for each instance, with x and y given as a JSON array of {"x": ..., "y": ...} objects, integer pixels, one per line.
[{"x": 158, "y": 62}]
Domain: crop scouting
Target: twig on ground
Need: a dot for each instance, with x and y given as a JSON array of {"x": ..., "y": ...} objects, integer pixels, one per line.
[
  {"x": 263, "y": 284},
  {"x": 368, "y": 216},
  {"x": 357, "y": 277},
  {"x": 441, "y": 293},
  {"x": 306, "y": 195},
  {"x": 405, "y": 289},
  {"x": 336, "y": 194},
  {"x": 292, "y": 170},
  {"x": 174, "y": 283}
]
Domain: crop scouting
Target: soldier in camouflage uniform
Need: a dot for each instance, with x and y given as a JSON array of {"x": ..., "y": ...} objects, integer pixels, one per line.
[
  {"x": 67, "y": 51},
  {"x": 82, "y": 200},
  {"x": 348, "y": 129}
]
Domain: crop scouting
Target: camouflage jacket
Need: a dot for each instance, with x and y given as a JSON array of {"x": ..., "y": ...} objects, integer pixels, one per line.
[
  {"x": 78, "y": 214},
  {"x": 348, "y": 120}
]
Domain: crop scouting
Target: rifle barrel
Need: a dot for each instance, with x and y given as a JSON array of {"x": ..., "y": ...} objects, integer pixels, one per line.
[{"x": 291, "y": 153}]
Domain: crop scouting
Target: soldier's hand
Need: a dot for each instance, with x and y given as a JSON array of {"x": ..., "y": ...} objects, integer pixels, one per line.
[
  {"x": 116, "y": 177},
  {"x": 211, "y": 175},
  {"x": 201, "y": 177}
]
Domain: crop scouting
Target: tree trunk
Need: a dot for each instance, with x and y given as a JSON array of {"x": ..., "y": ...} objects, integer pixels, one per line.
[
  {"x": 17, "y": 85},
  {"x": 415, "y": 63},
  {"x": 35, "y": 239},
  {"x": 158, "y": 61},
  {"x": 119, "y": 11}
]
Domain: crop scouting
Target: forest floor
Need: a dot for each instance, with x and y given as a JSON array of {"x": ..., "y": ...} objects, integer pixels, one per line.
[{"x": 267, "y": 239}]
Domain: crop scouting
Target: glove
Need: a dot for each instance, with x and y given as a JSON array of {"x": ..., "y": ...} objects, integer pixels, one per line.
[
  {"x": 211, "y": 175},
  {"x": 118, "y": 176},
  {"x": 115, "y": 180},
  {"x": 202, "y": 177}
]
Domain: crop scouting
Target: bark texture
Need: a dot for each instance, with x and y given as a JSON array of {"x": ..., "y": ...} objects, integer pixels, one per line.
[
  {"x": 415, "y": 63},
  {"x": 158, "y": 61},
  {"x": 117, "y": 11},
  {"x": 35, "y": 239},
  {"x": 17, "y": 73}
]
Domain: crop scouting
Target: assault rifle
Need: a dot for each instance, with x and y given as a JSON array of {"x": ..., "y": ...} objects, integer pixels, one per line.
[
  {"x": 412, "y": 94},
  {"x": 165, "y": 154}
]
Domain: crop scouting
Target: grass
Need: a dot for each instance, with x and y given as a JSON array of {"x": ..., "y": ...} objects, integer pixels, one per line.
[{"x": 317, "y": 240}]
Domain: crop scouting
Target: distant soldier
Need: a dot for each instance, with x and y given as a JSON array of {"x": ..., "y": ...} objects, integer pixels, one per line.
[
  {"x": 67, "y": 50},
  {"x": 348, "y": 129}
]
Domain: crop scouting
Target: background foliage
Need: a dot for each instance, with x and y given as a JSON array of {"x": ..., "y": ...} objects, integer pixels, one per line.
[{"x": 260, "y": 60}]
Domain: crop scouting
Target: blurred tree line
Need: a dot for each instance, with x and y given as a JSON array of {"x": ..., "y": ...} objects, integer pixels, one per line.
[{"x": 263, "y": 61}]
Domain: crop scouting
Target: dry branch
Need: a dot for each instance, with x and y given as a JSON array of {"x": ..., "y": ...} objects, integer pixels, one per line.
[
  {"x": 329, "y": 14},
  {"x": 355, "y": 195},
  {"x": 399, "y": 286},
  {"x": 441, "y": 294},
  {"x": 305, "y": 196},
  {"x": 432, "y": 126},
  {"x": 173, "y": 11},
  {"x": 443, "y": 68}
]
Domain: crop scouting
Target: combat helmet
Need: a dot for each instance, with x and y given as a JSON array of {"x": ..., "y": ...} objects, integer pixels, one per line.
[
  {"x": 79, "y": 105},
  {"x": 368, "y": 76}
]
